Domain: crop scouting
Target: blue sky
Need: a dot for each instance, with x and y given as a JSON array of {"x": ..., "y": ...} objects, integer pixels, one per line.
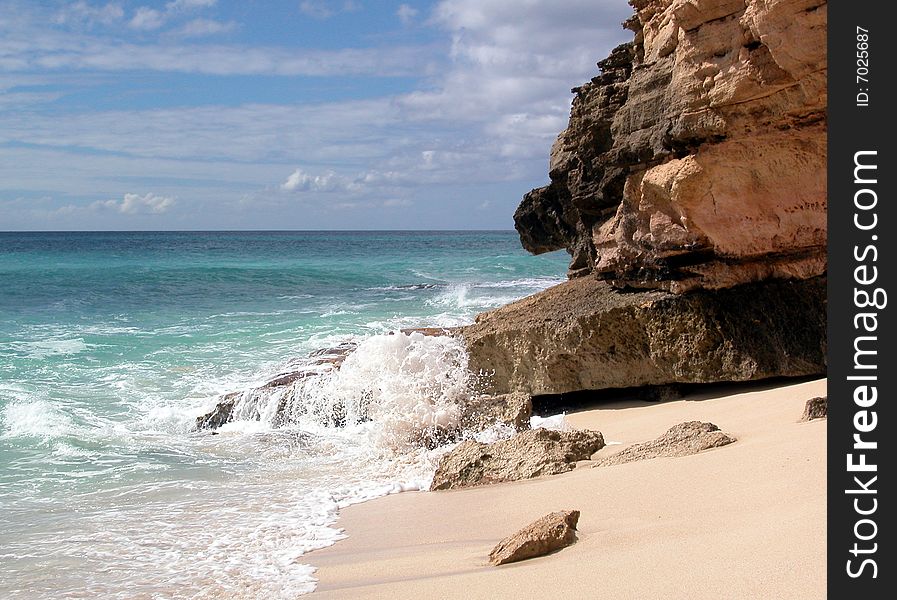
[{"x": 300, "y": 114}]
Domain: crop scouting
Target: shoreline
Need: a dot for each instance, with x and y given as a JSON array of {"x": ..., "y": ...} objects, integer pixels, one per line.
[{"x": 746, "y": 520}]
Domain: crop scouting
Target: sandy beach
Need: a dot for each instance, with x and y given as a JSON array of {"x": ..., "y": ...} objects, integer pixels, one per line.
[{"x": 743, "y": 521}]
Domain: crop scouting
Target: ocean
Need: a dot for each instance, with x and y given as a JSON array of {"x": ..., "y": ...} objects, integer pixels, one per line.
[{"x": 111, "y": 344}]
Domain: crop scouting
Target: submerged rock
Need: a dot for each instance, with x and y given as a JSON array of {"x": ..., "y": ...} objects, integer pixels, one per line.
[
  {"x": 550, "y": 533},
  {"x": 317, "y": 362},
  {"x": 585, "y": 335},
  {"x": 525, "y": 455},
  {"x": 683, "y": 439},
  {"x": 816, "y": 408},
  {"x": 220, "y": 415}
]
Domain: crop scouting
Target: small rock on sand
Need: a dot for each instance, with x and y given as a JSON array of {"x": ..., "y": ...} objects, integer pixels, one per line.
[
  {"x": 552, "y": 532},
  {"x": 816, "y": 408}
]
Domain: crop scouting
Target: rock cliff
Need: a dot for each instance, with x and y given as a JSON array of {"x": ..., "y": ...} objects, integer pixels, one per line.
[
  {"x": 697, "y": 158},
  {"x": 690, "y": 190}
]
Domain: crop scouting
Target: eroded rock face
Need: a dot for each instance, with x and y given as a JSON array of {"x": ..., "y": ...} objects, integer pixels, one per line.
[
  {"x": 550, "y": 533},
  {"x": 683, "y": 439},
  {"x": 585, "y": 335},
  {"x": 481, "y": 412},
  {"x": 697, "y": 158},
  {"x": 525, "y": 455}
]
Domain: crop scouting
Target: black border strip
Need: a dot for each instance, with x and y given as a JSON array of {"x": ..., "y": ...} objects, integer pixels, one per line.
[{"x": 861, "y": 358}]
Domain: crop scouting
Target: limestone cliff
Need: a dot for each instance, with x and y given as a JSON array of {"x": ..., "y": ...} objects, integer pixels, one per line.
[
  {"x": 697, "y": 158},
  {"x": 693, "y": 169}
]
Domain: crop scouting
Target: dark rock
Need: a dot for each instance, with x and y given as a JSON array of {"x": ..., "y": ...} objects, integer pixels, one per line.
[
  {"x": 427, "y": 331},
  {"x": 661, "y": 393},
  {"x": 816, "y": 408},
  {"x": 286, "y": 379},
  {"x": 219, "y": 415},
  {"x": 299, "y": 369},
  {"x": 550, "y": 533}
]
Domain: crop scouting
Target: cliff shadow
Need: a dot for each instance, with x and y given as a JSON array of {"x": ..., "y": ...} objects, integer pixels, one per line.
[{"x": 571, "y": 402}]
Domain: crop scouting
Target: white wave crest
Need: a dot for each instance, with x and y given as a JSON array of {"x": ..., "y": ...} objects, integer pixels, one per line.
[
  {"x": 44, "y": 348},
  {"x": 399, "y": 387},
  {"x": 35, "y": 419}
]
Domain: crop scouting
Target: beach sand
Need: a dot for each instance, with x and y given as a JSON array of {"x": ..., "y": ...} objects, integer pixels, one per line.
[{"x": 747, "y": 520}]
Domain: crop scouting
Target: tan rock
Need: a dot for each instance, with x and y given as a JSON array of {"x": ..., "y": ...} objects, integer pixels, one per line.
[
  {"x": 550, "y": 533},
  {"x": 700, "y": 162},
  {"x": 584, "y": 335},
  {"x": 757, "y": 219},
  {"x": 525, "y": 455},
  {"x": 483, "y": 411},
  {"x": 683, "y": 439}
]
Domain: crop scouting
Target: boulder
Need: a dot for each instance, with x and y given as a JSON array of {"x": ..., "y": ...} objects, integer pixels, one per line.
[
  {"x": 683, "y": 439},
  {"x": 585, "y": 335},
  {"x": 550, "y": 533},
  {"x": 816, "y": 408},
  {"x": 525, "y": 455}
]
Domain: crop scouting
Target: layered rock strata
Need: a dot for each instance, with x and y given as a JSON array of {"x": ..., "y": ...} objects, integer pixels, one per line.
[{"x": 697, "y": 158}]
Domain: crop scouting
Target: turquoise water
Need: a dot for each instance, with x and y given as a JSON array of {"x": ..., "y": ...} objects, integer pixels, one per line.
[{"x": 112, "y": 343}]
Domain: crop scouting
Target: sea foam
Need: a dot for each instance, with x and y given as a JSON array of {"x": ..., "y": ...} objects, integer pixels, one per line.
[{"x": 34, "y": 419}]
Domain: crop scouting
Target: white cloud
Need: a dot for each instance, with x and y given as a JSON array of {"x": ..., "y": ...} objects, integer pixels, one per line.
[
  {"x": 176, "y": 5},
  {"x": 518, "y": 57},
  {"x": 60, "y": 51},
  {"x": 83, "y": 13},
  {"x": 321, "y": 9},
  {"x": 204, "y": 27},
  {"x": 316, "y": 10},
  {"x": 133, "y": 204},
  {"x": 27, "y": 44},
  {"x": 485, "y": 117},
  {"x": 14, "y": 100},
  {"x": 397, "y": 203},
  {"x": 147, "y": 19},
  {"x": 406, "y": 13},
  {"x": 300, "y": 181}
]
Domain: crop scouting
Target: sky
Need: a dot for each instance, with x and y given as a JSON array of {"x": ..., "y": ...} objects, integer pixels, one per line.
[{"x": 299, "y": 114}]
